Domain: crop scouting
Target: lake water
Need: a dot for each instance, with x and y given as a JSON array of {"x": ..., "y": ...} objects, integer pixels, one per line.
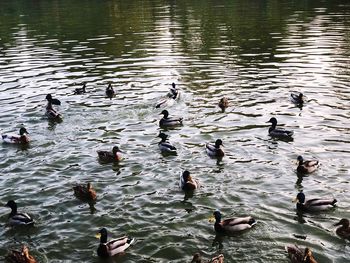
[{"x": 253, "y": 52}]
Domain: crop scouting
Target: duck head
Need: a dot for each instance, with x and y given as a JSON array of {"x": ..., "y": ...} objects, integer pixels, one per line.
[
  {"x": 300, "y": 159},
  {"x": 115, "y": 150},
  {"x": 49, "y": 97},
  {"x": 343, "y": 222},
  {"x": 273, "y": 120},
  {"x": 12, "y": 204},
  {"x": 165, "y": 114},
  {"x": 300, "y": 198},
  {"x": 217, "y": 216},
  {"x": 163, "y": 136},
  {"x": 218, "y": 143},
  {"x": 22, "y": 131},
  {"x": 102, "y": 235},
  {"x": 186, "y": 176}
]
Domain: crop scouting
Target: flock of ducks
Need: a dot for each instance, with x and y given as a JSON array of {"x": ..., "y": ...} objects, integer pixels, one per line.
[{"x": 187, "y": 183}]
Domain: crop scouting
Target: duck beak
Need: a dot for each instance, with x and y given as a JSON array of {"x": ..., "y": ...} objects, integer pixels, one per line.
[
  {"x": 295, "y": 200},
  {"x": 211, "y": 219},
  {"x": 98, "y": 235},
  {"x": 337, "y": 224}
]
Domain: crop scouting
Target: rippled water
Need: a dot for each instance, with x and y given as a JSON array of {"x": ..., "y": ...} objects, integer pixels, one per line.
[{"x": 253, "y": 52}]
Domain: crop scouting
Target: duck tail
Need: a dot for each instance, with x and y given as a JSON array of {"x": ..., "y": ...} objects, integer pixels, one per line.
[
  {"x": 252, "y": 222},
  {"x": 334, "y": 201}
]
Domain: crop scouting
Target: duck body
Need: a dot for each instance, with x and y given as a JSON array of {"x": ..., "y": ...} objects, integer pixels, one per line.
[
  {"x": 215, "y": 150},
  {"x": 169, "y": 122},
  {"x": 187, "y": 182},
  {"x": 85, "y": 193},
  {"x": 16, "y": 218},
  {"x": 51, "y": 113},
  {"x": 298, "y": 255},
  {"x": 315, "y": 204},
  {"x": 344, "y": 230},
  {"x": 22, "y": 256},
  {"x": 297, "y": 98},
  {"x": 223, "y": 103},
  {"x": 110, "y": 91},
  {"x": 113, "y": 247},
  {"x": 164, "y": 145},
  {"x": 22, "y": 138},
  {"x": 279, "y": 133},
  {"x": 197, "y": 258},
  {"x": 113, "y": 156},
  {"x": 232, "y": 225},
  {"x": 306, "y": 167},
  {"x": 79, "y": 91}
]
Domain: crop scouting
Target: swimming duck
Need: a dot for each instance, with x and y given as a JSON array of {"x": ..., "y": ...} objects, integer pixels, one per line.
[
  {"x": 197, "y": 258},
  {"x": 297, "y": 255},
  {"x": 297, "y": 98},
  {"x": 51, "y": 113},
  {"x": 315, "y": 204},
  {"x": 278, "y": 133},
  {"x": 113, "y": 156},
  {"x": 174, "y": 92},
  {"x": 306, "y": 167},
  {"x": 232, "y": 225},
  {"x": 52, "y": 100},
  {"x": 79, "y": 91},
  {"x": 112, "y": 247},
  {"x": 168, "y": 122},
  {"x": 215, "y": 150},
  {"x": 223, "y": 103},
  {"x": 164, "y": 145},
  {"x": 16, "y": 218},
  {"x": 187, "y": 183},
  {"x": 110, "y": 91},
  {"x": 22, "y": 256},
  {"x": 85, "y": 192},
  {"x": 344, "y": 230},
  {"x": 14, "y": 138}
]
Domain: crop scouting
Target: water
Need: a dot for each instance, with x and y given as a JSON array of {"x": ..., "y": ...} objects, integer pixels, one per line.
[{"x": 253, "y": 52}]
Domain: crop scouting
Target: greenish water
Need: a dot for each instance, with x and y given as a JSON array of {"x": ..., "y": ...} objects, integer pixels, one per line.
[{"x": 253, "y": 52}]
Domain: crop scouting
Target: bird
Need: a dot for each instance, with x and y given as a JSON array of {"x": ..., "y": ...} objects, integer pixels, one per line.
[
  {"x": 22, "y": 138},
  {"x": 164, "y": 145},
  {"x": 16, "y": 218},
  {"x": 315, "y": 204},
  {"x": 110, "y": 91},
  {"x": 23, "y": 256},
  {"x": 113, "y": 156},
  {"x": 223, "y": 103},
  {"x": 112, "y": 247},
  {"x": 168, "y": 122},
  {"x": 297, "y": 255},
  {"x": 51, "y": 113},
  {"x": 52, "y": 100},
  {"x": 232, "y": 225},
  {"x": 344, "y": 230},
  {"x": 279, "y": 133},
  {"x": 297, "y": 98},
  {"x": 187, "y": 182},
  {"x": 174, "y": 92},
  {"x": 306, "y": 167},
  {"x": 79, "y": 91},
  {"x": 85, "y": 193},
  {"x": 215, "y": 150},
  {"x": 197, "y": 258}
]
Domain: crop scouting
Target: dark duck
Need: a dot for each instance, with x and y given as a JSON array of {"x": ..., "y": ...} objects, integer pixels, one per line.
[{"x": 279, "y": 133}]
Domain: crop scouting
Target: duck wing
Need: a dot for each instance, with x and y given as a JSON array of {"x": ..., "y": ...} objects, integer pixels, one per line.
[
  {"x": 21, "y": 219},
  {"x": 116, "y": 246},
  {"x": 170, "y": 121},
  {"x": 238, "y": 224},
  {"x": 281, "y": 133},
  {"x": 317, "y": 202},
  {"x": 11, "y": 138},
  {"x": 166, "y": 147},
  {"x": 105, "y": 155},
  {"x": 310, "y": 163}
]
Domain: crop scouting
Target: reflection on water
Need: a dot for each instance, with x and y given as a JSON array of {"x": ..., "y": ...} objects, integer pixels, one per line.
[{"x": 255, "y": 53}]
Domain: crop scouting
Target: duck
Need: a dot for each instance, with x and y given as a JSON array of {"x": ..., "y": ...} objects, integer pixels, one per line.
[
  {"x": 168, "y": 122},
  {"x": 22, "y": 138},
  {"x": 306, "y": 167},
  {"x": 16, "y": 218},
  {"x": 297, "y": 255},
  {"x": 22, "y": 256},
  {"x": 187, "y": 182},
  {"x": 79, "y": 91},
  {"x": 113, "y": 156},
  {"x": 231, "y": 225},
  {"x": 344, "y": 230},
  {"x": 315, "y": 204},
  {"x": 113, "y": 247},
  {"x": 110, "y": 91},
  {"x": 215, "y": 150},
  {"x": 197, "y": 258},
  {"x": 51, "y": 113},
  {"x": 174, "y": 93},
  {"x": 51, "y": 100},
  {"x": 164, "y": 145},
  {"x": 279, "y": 133},
  {"x": 85, "y": 192},
  {"x": 297, "y": 98},
  {"x": 223, "y": 103}
]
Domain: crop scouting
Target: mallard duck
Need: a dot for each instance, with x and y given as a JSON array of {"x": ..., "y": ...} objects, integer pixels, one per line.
[
  {"x": 215, "y": 150},
  {"x": 173, "y": 95},
  {"x": 315, "y": 204},
  {"x": 297, "y": 98},
  {"x": 297, "y": 255},
  {"x": 51, "y": 113},
  {"x": 166, "y": 121},
  {"x": 279, "y": 133},
  {"x": 110, "y": 91},
  {"x": 16, "y": 218},
  {"x": 14, "y": 138},
  {"x": 223, "y": 103},
  {"x": 22, "y": 256},
  {"x": 187, "y": 183},
  {"x": 164, "y": 145},
  {"x": 113, "y": 156},
  {"x": 344, "y": 230},
  {"x": 85, "y": 192},
  {"x": 197, "y": 258},
  {"x": 79, "y": 91},
  {"x": 232, "y": 225},
  {"x": 174, "y": 92},
  {"x": 112, "y": 247},
  {"x": 306, "y": 167}
]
